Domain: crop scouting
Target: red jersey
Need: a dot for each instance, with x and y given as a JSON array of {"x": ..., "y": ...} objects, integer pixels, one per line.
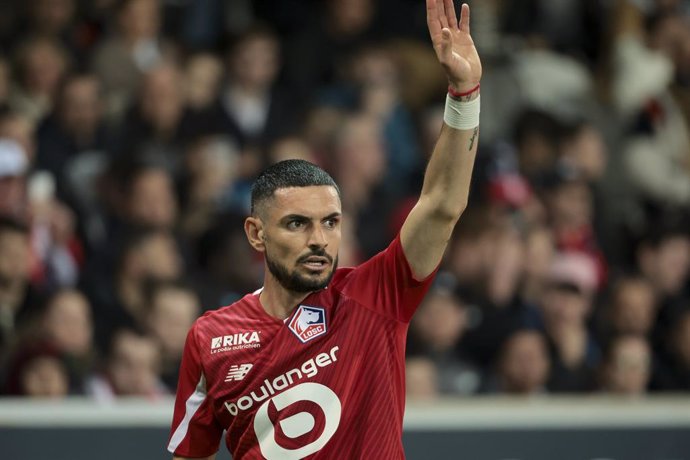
[{"x": 327, "y": 382}]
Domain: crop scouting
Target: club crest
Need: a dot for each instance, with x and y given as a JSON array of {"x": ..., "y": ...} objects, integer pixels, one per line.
[{"x": 308, "y": 323}]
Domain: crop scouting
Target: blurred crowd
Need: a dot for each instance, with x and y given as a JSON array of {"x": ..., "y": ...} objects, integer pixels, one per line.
[{"x": 131, "y": 131}]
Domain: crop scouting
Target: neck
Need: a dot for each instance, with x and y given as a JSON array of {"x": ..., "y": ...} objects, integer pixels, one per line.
[{"x": 278, "y": 301}]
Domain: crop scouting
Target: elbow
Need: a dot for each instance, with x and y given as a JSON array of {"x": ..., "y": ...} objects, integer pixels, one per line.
[{"x": 449, "y": 211}]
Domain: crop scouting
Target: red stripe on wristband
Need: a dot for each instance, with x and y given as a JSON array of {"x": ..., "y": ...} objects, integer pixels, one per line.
[{"x": 457, "y": 94}]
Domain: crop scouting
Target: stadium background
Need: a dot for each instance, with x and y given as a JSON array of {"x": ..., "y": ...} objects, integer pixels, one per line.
[{"x": 130, "y": 132}]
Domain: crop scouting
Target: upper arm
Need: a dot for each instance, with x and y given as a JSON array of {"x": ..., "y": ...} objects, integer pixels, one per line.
[{"x": 424, "y": 237}]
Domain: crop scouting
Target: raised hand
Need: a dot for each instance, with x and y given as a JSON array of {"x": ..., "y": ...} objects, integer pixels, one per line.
[{"x": 453, "y": 44}]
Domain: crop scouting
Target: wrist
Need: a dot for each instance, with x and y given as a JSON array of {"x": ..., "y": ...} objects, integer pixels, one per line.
[{"x": 465, "y": 91}]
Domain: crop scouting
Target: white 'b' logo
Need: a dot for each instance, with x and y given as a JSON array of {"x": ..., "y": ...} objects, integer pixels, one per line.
[{"x": 298, "y": 424}]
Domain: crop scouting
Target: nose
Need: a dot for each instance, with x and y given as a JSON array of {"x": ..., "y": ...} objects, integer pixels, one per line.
[{"x": 317, "y": 238}]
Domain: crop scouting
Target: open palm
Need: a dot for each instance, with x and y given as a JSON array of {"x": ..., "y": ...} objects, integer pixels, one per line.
[{"x": 453, "y": 44}]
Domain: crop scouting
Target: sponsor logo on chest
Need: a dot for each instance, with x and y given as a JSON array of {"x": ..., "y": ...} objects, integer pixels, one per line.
[
  {"x": 236, "y": 341},
  {"x": 308, "y": 323}
]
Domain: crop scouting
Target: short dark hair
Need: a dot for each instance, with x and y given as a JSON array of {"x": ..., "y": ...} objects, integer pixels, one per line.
[{"x": 288, "y": 173}]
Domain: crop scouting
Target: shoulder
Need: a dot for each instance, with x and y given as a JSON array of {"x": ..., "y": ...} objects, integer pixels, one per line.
[{"x": 214, "y": 318}]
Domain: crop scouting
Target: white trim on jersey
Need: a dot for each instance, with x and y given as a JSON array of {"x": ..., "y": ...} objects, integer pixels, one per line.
[{"x": 191, "y": 406}]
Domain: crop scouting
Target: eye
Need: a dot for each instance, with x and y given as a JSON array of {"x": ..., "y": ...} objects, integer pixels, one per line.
[
  {"x": 331, "y": 223},
  {"x": 295, "y": 224}
]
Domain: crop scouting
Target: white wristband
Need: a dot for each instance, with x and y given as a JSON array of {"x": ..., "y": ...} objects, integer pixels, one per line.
[{"x": 461, "y": 115}]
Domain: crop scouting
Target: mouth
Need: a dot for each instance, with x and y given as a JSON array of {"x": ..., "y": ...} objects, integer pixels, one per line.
[{"x": 316, "y": 263}]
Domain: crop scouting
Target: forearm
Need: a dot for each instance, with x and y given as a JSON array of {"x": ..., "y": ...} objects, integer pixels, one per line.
[
  {"x": 449, "y": 172},
  {"x": 444, "y": 196}
]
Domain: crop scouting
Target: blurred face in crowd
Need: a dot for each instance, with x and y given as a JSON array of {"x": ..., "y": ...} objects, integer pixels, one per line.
[
  {"x": 524, "y": 364},
  {"x": 162, "y": 98},
  {"x": 298, "y": 230},
  {"x": 172, "y": 313},
  {"x": 13, "y": 196},
  {"x": 350, "y": 17},
  {"x": 506, "y": 266},
  {"x": 152, "y": 199},
  {"x": 44, "y": 377},
  {"x": 159, "y": 258},
  {"x": 51, "y": 16},
  {"x": 539, "y": 252},
  {"x": 421, "y": 379},
  {"x": 667, "y": 264},
  {"x": 43, "y": 64},
  {"x": 587, "y": 151},
  {"x": 440, "y": 320},
  {"x": 360, "y": 150},
  {"x": 80, "y": 108},
  {"x": 570, "y": 205},
  {"x": 21, "y": 130},
  {"x": 68, "y": 322},
  {"x": 140, "y": 20},
  {"x": 633, "y": 307},
  {"x": 628, "y": 367},
  {"x": 203, "y": 74},
  {"x": 14, "y": 258},
  {"x": 213, "y": 167},
  {"x": 134, "y": 365},
  {"x": 255, "y": 62},
  {"x": 565, "y": 305}
]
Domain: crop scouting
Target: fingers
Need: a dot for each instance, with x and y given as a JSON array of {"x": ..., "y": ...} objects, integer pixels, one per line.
[
  {"x": 432, "y": 18},
  {"x": 450, "y": 14},
  {"x": 441, "y": 10},
  {"x": 465, "y": 18}
]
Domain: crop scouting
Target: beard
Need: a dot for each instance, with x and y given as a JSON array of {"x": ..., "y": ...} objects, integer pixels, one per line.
[{"x": 296, "y": 282}]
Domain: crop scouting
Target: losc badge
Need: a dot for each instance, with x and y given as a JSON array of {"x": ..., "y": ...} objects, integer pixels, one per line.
[{"x": 308, "y": 323}]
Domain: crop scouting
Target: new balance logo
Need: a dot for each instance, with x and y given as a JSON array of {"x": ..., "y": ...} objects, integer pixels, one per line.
[
  {"x": 235, "y": 341},
  {"x": 238, "y": 372}
]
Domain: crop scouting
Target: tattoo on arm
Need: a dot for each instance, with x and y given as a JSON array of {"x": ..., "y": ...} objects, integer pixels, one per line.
[{"x": 474, "y": 137}]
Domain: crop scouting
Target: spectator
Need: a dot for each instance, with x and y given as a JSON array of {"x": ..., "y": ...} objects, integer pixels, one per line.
[
  {"x": 627, "y": 366},
  {"x": 18, "y": 299},
  {"x": 38, "y": 371},
  {"x": 118, "y": 296},
  {"x": 251, "y": 106},
  {"x": 132, "y": 369},
  {"x": 20, "y": 129},
  {"x": 75, "y": 127},
  {"x": 566, "y": 305},
  {"x": 421, "y": 379},
  {"x": 154, "y": 127},
  {"x": 632, "y": 308},
  {"x": 435, "y": 334},
  {"x": 203, "y": 75},
  {"x": 67, "y": 322},
  {"x": 172, "y": 308},
  {"x": 41, "y": 65},
  {"x": 13, "y": 168},
  {"x": 523, "y": 365},
  {"x": 134, "y": 48}
]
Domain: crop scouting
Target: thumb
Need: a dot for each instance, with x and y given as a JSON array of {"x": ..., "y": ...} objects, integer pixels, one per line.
[{"x": 446, "y": 46}]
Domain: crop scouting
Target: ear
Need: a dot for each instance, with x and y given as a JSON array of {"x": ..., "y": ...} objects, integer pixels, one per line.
[{"x": 254, "y": 228}]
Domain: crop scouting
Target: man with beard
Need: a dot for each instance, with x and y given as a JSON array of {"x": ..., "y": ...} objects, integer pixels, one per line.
[{"x": 312, "y": 364}]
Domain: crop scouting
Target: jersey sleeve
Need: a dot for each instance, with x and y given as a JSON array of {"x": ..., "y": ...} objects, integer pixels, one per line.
[
  {"x": 195, "y": 431},
  {"x": 385, "y": 283}
]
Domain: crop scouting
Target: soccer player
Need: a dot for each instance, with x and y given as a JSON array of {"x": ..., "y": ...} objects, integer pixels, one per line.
[{"x": 312, "y": 365}]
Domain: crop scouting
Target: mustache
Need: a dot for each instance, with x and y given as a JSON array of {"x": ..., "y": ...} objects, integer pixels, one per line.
[{"x": 317, "y": 253}]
